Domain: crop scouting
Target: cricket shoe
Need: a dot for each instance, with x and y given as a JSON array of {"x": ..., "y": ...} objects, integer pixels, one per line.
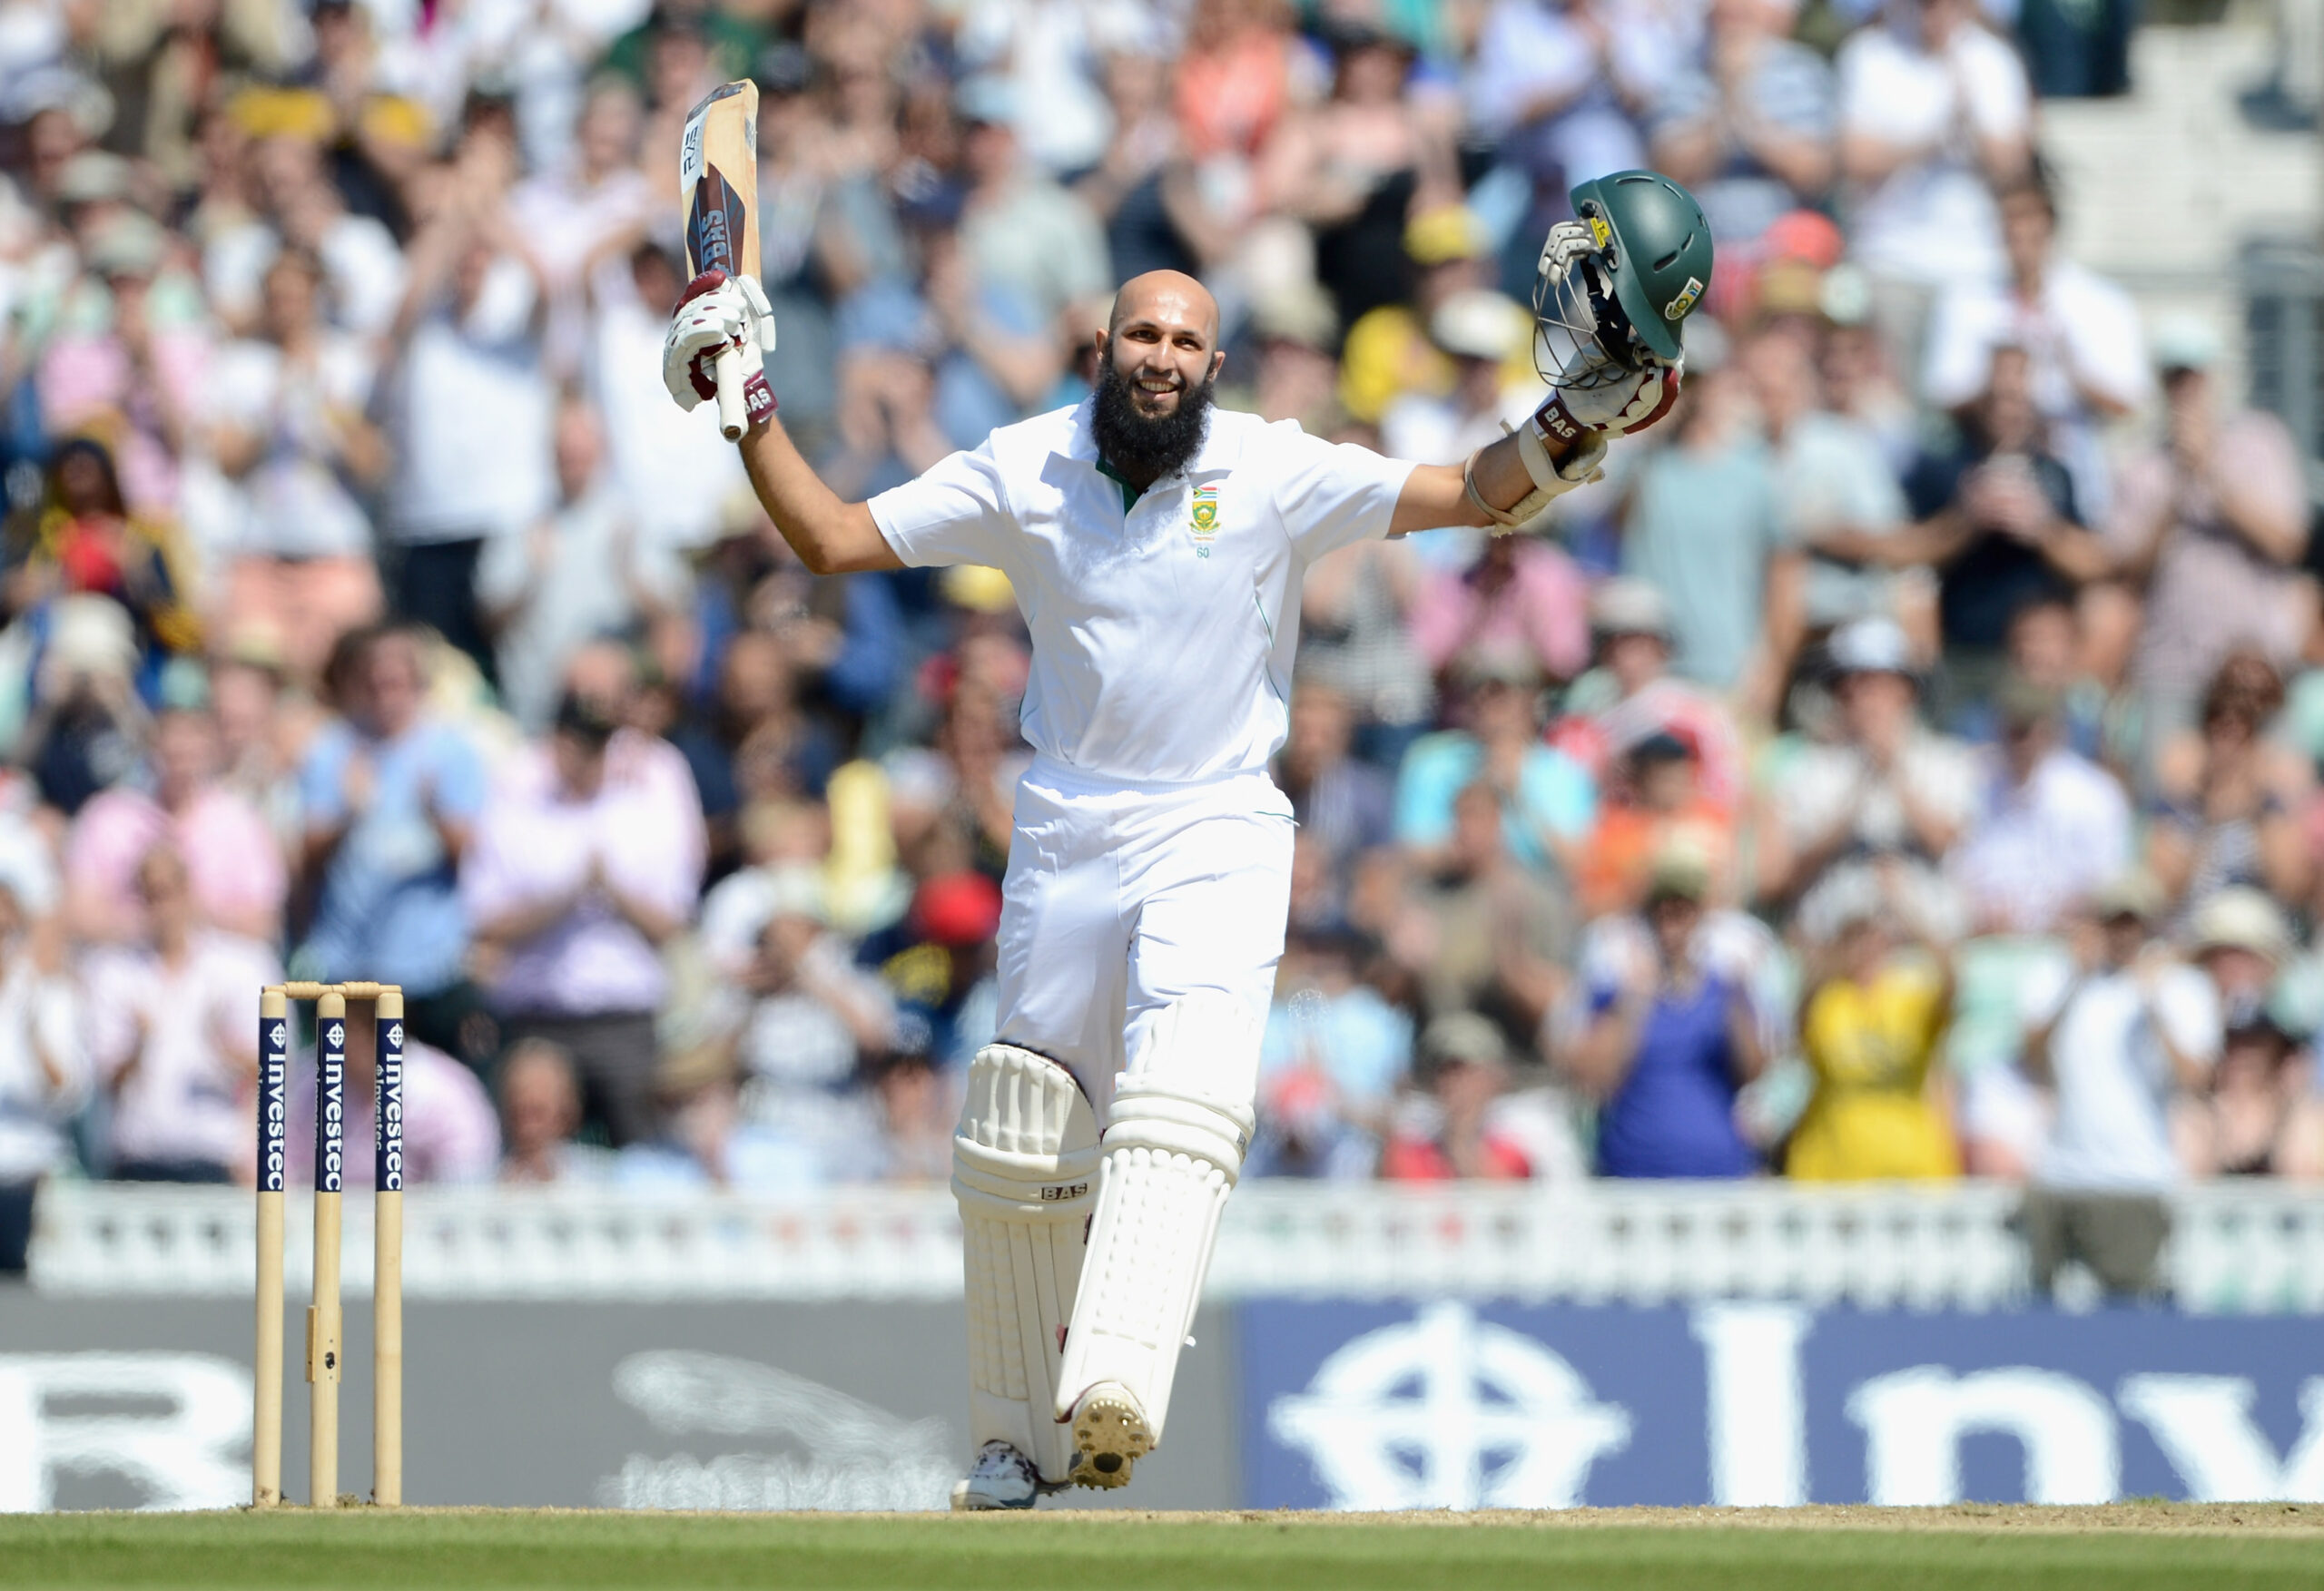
[
  {"x": 1001, "y": 1477},
  {"x": 1109, "y": 1435}
]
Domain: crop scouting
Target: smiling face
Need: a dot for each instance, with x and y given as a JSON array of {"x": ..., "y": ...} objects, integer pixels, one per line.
[
  {"x": 1163, "y": 341},
  {"x": 1155, "y": 366}
]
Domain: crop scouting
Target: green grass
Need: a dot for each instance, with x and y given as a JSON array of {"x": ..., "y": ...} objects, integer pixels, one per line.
[{"x": 1277, "y": 1553}]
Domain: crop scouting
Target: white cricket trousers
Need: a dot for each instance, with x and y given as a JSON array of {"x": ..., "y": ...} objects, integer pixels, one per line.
[{"x": 1124, "y": 897}]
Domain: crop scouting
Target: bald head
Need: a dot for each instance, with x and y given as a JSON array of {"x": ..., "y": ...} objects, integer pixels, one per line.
[{"x": 1166, "y": 298}]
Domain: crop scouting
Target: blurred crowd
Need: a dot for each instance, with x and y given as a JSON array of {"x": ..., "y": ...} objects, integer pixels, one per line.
[{"x": 1904, "y": 765}]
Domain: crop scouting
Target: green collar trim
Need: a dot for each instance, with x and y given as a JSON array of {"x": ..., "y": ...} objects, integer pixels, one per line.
[{"x": 1130, "y": 494}]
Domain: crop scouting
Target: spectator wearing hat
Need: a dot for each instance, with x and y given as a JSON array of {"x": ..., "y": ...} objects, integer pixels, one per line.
[
  {"x": 2228, "y": 796},
  {"x": 1630, "y": 696},
  {"x": 45, "y": 1077},
  {"x": 1703, "y": 525},
  {"x": 307, "y": 203},
  {"x": 388, "y": 794},
  {"x": 2086, "y": 359},
  {"x": 1548, "y": 803},
  {"x": 1748, "y": 124},
  {"x": 1886, "y": 795},
  {"x": 1870, "y": 1025},
  {"x": 2211, "y": 528},
  {"x": 2259, "y": 1116},
  {"x": 1296, "y": 376},
  {"x": 1669, "y": 1039},
  {"x": 2116, "y": 1032},
  {"x": 1448, "y": 1130},
  {"x": 235, "y": 874},
  {"x": 2049, "y": 826},
  {"x": 288, "y": 428},
  {"x": 587, "y": 858}
]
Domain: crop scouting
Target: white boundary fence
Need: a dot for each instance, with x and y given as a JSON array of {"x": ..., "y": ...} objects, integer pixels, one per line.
[{"x": 2237, "y": 1249}]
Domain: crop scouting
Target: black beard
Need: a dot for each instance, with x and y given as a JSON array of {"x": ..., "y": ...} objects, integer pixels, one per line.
[{"x": 1142, "y": 450}]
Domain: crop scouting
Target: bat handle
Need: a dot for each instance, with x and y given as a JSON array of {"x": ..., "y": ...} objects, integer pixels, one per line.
[{"x": 728, "y": 370}]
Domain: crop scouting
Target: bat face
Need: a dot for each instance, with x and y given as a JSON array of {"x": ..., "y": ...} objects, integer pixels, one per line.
[{"x": 718, "y": 171}]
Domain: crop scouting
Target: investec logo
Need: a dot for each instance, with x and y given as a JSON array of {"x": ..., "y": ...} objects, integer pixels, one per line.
[
  {"x": 388, "y": 1132},
  {"x": 275, "y": 1081},
  {"x": 333, "y": 1161}
]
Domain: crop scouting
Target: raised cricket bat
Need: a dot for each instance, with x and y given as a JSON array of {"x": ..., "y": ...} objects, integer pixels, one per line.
[{"x": 718, "y": 183}]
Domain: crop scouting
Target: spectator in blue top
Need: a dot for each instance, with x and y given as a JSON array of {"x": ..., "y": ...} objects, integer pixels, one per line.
[
  {"x": 1548, "y": 800},
  {"x": 389, "y": 796},
  {"x": 1670, "y": 1044}
]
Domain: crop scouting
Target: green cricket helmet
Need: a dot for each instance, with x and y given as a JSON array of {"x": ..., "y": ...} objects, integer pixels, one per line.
[{"x": 1626, "y": 301}]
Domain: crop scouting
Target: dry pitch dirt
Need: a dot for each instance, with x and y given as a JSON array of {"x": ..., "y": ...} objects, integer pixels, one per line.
[{"x": 2151, "y": 1516}]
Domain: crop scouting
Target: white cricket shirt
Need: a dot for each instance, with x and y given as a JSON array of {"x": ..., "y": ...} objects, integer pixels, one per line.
[{"x": 1163, "y": 636}]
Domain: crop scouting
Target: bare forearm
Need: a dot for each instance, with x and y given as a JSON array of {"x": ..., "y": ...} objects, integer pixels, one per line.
[
  {"x": 1433, "y": 497},
  {"x": 830, "y": 537}
]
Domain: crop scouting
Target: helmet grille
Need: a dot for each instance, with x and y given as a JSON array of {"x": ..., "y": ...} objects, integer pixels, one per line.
[{"x": 1582, "y": 338}]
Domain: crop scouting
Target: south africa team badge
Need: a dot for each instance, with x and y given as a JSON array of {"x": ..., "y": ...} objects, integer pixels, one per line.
[{"x": 1203, "y": 519}]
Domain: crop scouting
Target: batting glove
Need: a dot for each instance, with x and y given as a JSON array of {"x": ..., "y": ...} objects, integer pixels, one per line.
[
  {"x": 1568, "y": 241},
  {"x": 716, "y": 312},
  {"x": 1632, "y": 401}
]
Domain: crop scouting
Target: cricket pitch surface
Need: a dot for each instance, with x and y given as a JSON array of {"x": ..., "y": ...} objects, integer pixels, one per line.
[{"x": 2118, "y": 1546}]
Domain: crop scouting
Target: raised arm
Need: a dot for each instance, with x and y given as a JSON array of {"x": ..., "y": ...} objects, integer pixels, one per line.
[
  {"x": 830, "y": 537},
  {"x": 1609, "y": 385}
]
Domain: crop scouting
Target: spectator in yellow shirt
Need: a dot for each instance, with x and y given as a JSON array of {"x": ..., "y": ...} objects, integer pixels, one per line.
[{"x": 1870, "y": 1028}]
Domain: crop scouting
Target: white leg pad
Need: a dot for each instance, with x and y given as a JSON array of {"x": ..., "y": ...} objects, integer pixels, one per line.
[
  {"x": 1024, "y": 1167},
  {"x": 1174, "y": 1139}
]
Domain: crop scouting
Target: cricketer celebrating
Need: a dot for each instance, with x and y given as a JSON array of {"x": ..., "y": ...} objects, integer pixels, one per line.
[{"x": 1156, "y": 547}]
